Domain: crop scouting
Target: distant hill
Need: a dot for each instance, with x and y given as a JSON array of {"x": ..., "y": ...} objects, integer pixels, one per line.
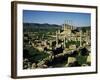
[
  {"x": 34, "y": 25},
  {"x": 47, "y": 27},
  {"x": 84, "y": 28},
  {"x": 40, "y": 27}
]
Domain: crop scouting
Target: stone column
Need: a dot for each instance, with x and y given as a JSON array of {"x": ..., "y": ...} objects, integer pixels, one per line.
[
  {"x": 87, "y": 38},
  {"x": 56, "y": 39},
  {"x": 64, "y": 42},
  {"x": 80, "y": 38}
]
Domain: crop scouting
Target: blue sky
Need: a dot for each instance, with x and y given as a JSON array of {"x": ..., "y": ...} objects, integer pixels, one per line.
[{"x": 77, "y": 19}]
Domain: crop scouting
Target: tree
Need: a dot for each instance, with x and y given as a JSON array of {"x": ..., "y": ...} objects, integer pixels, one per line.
[{"x": 84, "y": 52}]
